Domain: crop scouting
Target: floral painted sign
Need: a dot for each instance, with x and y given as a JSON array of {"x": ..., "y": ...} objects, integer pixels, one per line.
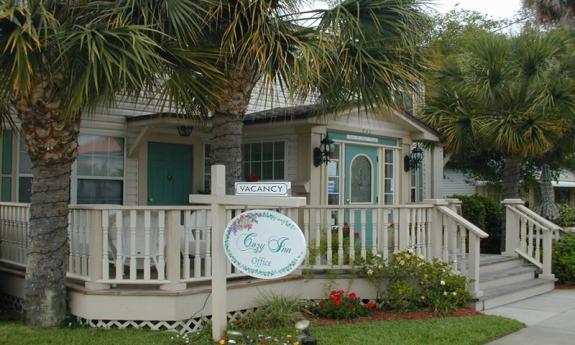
[{"x": 264, "y": 244}]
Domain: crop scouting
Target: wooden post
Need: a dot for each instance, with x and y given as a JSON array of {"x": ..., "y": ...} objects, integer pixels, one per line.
[
  {"x": 403, "y": 228},
  {"x": 547, "y": 255},
  {"x": 511, "y": 226},
  {"x": 173, "y": 268},
  {"x": 219, "y": 293},
  {"x": 436, "y": 224},
  {"x": 97, "y": 253},
  {"x": 474, "y": 265}
]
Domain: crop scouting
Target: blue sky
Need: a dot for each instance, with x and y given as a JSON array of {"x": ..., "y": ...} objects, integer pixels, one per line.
[{"x": 493, "y": 8}]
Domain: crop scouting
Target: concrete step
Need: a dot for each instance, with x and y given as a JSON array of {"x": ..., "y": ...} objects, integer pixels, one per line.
[
  {"x": 510, "y": 293},
  {"x": 497, "y": 263},
  {"x": 496, "y": 279}
]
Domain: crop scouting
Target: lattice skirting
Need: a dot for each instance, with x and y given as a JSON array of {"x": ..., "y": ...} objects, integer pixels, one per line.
[
  {"x": 10, "y": 303},
  {"x": 182, "y": 326}
]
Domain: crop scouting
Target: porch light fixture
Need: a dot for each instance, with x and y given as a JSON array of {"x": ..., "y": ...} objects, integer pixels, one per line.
[
  {"x": 321, "y": 154},
  {"x": 184, "y": 131},
  {"x": 413, "y": 161}
]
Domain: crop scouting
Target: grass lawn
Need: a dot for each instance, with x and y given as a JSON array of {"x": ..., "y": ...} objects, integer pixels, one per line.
[{"x": 463, "y": 330}]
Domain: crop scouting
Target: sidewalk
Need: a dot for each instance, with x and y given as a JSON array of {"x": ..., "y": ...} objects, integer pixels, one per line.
[{"x": 550, "y": 319}]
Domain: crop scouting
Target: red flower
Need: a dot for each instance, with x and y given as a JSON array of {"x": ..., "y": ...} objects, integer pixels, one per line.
[
  {"x": 371, "y": 306},
  {"x": 352, "y": 296},
  {"x": 337, "y": 301},
  {"x": 253, "y": 178},
  {"x": 355, "y": 235}
]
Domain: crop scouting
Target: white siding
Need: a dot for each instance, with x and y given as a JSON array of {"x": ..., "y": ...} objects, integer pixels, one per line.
[{"x": 455, "y": 182}]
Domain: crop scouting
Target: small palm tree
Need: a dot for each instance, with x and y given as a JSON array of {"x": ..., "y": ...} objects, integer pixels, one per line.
[
  {"x": 552, "y": 11},
  {"x": 357, "y": 53},
  {"x": 59, "y": 58},
  {"x": 511, "y": 94}
]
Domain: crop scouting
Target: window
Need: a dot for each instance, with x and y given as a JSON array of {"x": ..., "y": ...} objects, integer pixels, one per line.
[
  {"x": 6, "y": 169},
  {"x": 417, "y": 183},
  {"x": 24, "y": 173},
  {"x": 263, "y": 161},
  {"x": 389, "y": 177},
  {"x": 361, "y": 179},
  {"x": 100, "y": 170},
  {"x": 563, "y": 195},
  {"x": 333, "y": 177},
  {"x": 207, "y": 168}
]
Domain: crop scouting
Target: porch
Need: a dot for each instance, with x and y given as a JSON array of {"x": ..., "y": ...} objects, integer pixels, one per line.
[{"x": 151, "y": 265}]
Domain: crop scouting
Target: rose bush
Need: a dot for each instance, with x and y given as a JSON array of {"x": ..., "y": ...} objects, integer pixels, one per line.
[{"x": 341, "y": 306}]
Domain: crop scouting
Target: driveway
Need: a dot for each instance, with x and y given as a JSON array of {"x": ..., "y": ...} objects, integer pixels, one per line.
[{"x": 550, "y": 319}]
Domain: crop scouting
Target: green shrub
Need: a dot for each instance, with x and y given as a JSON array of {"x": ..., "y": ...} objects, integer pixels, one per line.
[
  {"x": 413, "y": 283},
  {"x": 341, "y": 306},
  {"x": 567, "y": 216},
  {"x": 276, "y": 311},
  {"x": 564, "y": 259},
  {"x": 487, "y": 214}
]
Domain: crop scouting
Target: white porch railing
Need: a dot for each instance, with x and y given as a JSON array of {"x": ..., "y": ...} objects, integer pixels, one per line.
[
  {"x": 530, "y": 236},
  {"x": 171, "y": 246}
]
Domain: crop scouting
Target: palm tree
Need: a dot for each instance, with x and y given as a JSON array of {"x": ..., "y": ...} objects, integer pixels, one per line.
[
  {"x": 552, "y": 11},
  {"x": 510, "y": 94},
  {"x": 60, "y": 58},
  {"x": 357, "y": 53}
]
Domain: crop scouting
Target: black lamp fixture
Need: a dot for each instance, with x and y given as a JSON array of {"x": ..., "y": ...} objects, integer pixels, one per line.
[
  {"x": 413, "y": 160},
  {"x": 184, "y": 131},
  {"x": 321, "y": 154}
]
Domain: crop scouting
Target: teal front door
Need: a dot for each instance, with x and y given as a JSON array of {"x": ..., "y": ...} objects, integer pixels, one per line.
[
  {"x": 169, "y": 174},
  {"x": 362, "y": 184}
]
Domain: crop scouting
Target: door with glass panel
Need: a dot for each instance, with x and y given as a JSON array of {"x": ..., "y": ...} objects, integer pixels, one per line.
[{"x": 361, "y": 186}]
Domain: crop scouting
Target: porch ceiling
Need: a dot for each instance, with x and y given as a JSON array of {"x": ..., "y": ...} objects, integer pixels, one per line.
[{"x": 159, "y": 120}]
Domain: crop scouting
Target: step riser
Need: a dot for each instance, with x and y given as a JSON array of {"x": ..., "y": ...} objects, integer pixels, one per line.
[
  {"x": 514, "y": 296},
  {"x": 500, "y": 266},
  {"x": 499, "y": 282}
]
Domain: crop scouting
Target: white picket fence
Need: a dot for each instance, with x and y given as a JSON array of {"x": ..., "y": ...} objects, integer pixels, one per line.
[{"x": 163, "y": 246}]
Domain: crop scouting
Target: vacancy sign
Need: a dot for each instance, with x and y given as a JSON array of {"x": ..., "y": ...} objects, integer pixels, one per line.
[
  {"x": 263, "y": 188},
  {"x": 264, "y": 244}
]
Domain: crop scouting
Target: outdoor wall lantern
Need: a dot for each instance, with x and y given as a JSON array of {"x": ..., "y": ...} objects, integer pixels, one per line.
[
  {"x": 413, "y": 161},
  {"x": 184, "y": 131},
  {"x": 321, "y": 154}
]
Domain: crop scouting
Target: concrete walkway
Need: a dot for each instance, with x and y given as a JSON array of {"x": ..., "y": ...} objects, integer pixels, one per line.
[{"x": 550, "y": 319}]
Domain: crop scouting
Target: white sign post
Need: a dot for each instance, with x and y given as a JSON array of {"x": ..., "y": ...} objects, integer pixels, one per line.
[{"x": 218, "y": 199}]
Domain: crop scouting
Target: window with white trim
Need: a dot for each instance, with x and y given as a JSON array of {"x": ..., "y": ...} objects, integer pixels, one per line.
[
  {"x": 207, "y": 168},
  {"x": 334, "y": 177},
  {"x": 264, "y": 161},
  {"x": 389, "y": 177},
  {"x": 100, "y": 170},
  {"x": 24, "y": 173},
  {"x": 417, "y": 184}
]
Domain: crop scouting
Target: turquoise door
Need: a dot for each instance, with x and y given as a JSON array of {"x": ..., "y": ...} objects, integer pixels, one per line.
[
  {"x": 169, "y": 174},
  {"x": 362, "y": 183}
]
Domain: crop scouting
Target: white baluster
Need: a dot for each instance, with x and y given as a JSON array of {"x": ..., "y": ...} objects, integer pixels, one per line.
[
  {"x": 161, "y": 258},
  {"x": 385, "y": 233},
  {"x": 306, "y": 216},
  {"x": 317, "y": 227},
  {"x": 133, "y": 253},
  {"x": 363, "y": 223},
  {"x": 119, "y": 246},
  {"x": 524, "y": 224},
  {"x": 328, "y": 238},
  {"x": 340, "y": 224},
  {"x": 374, "y": 215},
  {"x": 351, "y": 235},
  {"x": 147, "y": 244},
  {"x": 189, "y": 226},
  {"x": 208, "y": 236},
  {"x": 104, "y": 244}
]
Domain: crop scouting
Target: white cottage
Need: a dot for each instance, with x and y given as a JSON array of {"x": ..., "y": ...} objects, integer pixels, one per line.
[{"x": 140, "y": 253}]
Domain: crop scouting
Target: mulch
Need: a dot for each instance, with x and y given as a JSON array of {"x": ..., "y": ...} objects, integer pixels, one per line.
[
  {"x": 395, "y": 316},
  {"x": 562, "y": 286}
]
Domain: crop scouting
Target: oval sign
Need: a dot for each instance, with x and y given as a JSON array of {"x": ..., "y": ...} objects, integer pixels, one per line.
[{"x": 264, "y": 244}]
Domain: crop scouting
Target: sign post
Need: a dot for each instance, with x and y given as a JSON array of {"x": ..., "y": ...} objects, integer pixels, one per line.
[{"x": 218, "y": 199}]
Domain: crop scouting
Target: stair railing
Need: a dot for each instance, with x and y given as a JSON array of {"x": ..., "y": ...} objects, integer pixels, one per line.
[{"x": 530, "y": 236}]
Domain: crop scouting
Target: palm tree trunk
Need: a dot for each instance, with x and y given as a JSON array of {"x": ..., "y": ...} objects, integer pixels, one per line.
[
  {"x": 52, "y": 142},
  {"x": 511, "y": 178},
  {"x": 227, "y": 129},
  {"x": 548, "y": 208}
]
